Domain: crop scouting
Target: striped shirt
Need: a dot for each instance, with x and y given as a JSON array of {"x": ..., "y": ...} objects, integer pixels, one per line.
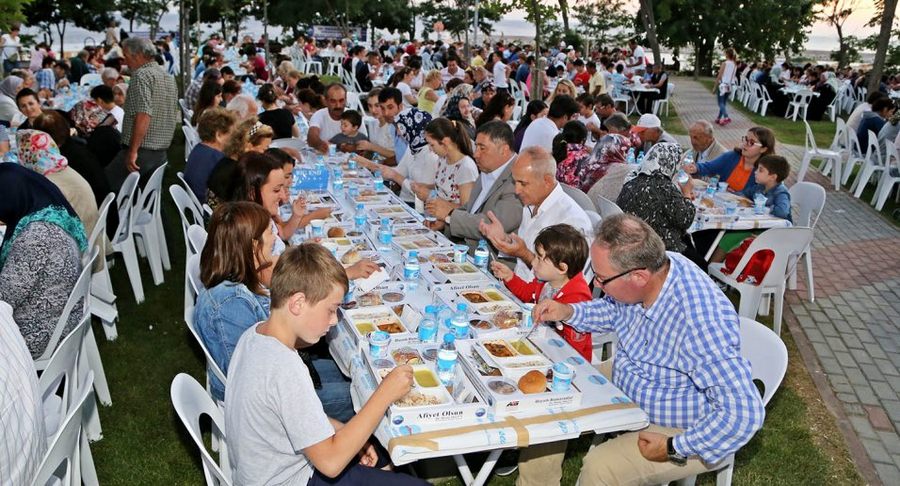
[
  {"x": 680, "y": 361},
  {"x": 46, "y": 79},
  {"x": 23, "y": 441},
  {"x": 153, "y": 92}
]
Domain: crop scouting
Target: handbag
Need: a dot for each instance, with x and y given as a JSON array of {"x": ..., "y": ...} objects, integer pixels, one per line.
[
  {"x": 757, "y": 266},
  {"x": 724, "y": 88}
]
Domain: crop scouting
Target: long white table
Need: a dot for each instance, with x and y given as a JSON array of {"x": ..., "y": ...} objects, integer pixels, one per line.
[{"x": 603, "y": 409}]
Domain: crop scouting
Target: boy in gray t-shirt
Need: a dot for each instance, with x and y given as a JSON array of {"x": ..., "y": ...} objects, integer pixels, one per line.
[{"x": 276, "y": 429}]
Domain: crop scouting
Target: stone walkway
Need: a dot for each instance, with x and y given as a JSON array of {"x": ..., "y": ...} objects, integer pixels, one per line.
[{"x": 849, "y": 336}]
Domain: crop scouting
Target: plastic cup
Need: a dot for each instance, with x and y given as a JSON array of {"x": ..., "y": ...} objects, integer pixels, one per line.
[
  {"x": 527, "y": 323},
  {"x": 723, "y": 186},
  {"x": 332, "y": 247},
  {"x": 731, "y": 208},
  {"x": 379, "y": 341},
  {"x": 562, "y": 377},
  {"x": 317, "y": 228},
  {"x": 459, "y": 253}
]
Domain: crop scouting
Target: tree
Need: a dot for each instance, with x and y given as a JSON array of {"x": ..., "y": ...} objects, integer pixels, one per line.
[
  {"x": 11, "y": 12},
  {"x": 888, "y": 10},
  {"x": 147, "y": 12},
  {"x": 604, "y": 22},
  {"x": 649, "y": 21},
  {"x": 836, "y": 12},
  {"x": 564, "y": 11},
  {"x": 455, "y": 15},
  {"x": 849, "y": 53},
  {"x": 93, "y": 15}
]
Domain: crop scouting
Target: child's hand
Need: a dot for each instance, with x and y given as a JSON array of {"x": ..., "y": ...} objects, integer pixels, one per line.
[
  {"x": 397, "y": 383},
  {"x": 501, "y": 271},
  {"x": 299, "y": 207}
]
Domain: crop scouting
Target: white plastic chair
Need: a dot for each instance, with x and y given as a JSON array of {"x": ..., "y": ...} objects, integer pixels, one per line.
[
  {"x": 832, "y": 109},
  {"x": 787, "y": 244},
  {"x": 841, "y": 144},
  {"x": 58, "y": 385},
  {"x": 148, "y": 225},
  {"x": 123, "y": 240},
  {"x": 197, "y": 237},
  {"x": 203, "y": 208},
  {"x": 764, "y": 101},
  {"x": 191, "y": 139},
  {"x": 595, "y": 218},
  {"x": 62, "y": 462},
  {"x": 193, "y": 276},
  {"x": 872, "y": 165},
  {"x": 103, "y": 298},
  {"x": 814, "y": 152},
  {"x": 354, "y": 103},
  {"x": 90, "y": 79},
  {"x": 439, "y": 105},
  {"x": 809, "y": 200},
  {"x": 187, "y": 212},
  {"x": 768, "y": 359},
  {"x": 607, "y": 208},
  {"x": 186, "y": 110},
  {"x": 658, "y": 104},
  {"x": 312, "y": 67},
  {"x": 889, "y": 177},
  {"x": 800, "y": 103},
  {"x": 191, "y": 402}
]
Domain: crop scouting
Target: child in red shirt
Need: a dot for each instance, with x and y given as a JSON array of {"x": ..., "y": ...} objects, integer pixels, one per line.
[{"x": 560, "y": 255}]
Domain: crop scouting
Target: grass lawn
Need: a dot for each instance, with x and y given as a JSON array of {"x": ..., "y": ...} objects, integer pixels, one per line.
[
  {"x": 790, "y": 132},
  {"x": 145, "y": 443}
]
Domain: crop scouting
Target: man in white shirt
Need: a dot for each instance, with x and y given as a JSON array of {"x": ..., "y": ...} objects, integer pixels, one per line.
[
  {"x": 855, "y": 117},
  {"x": 326, "y": 122},
  {"x": 545, "y": 203},
  {"x": 540, "y": 132},
  {"x": 452, "y": 71},
  {"x": 501, "y": 73},
  {"x": 638, "y": 63}
]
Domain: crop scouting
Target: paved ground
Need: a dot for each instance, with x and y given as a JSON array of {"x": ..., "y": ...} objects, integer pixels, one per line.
[{"x": 849, "y": 336}]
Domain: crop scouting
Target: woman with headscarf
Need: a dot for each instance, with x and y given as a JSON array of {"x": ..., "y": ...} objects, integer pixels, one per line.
[
  {"x": 9, "y": 88},
  {"x": 87, "y": 115},
  {"x": 606, "y": 168},
  {"x": 40, "y": 258},
  {"x": 37, "y": 151},
  {"x": 459, "y": 108},
  {"x": 654, "y": 197}
]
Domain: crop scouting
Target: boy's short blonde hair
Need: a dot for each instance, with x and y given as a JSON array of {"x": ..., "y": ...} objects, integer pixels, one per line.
[{"x": 309, "y": 269}]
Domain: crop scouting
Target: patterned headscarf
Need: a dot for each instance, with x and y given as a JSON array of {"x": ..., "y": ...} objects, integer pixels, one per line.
[
  {"x": 410, "y": 125},
  {"x": 38, "y": 152},
  {"x": 662, "y": 158},
  {"x": 88, "y": 115}
]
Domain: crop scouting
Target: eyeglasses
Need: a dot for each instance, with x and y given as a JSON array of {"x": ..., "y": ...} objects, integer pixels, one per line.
[
  {"x": 603, "y": 282},
  {"x": 750, "y": 142}
]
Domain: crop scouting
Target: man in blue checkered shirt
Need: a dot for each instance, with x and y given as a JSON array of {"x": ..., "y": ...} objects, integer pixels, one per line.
[{"x": 678, "y": 358}]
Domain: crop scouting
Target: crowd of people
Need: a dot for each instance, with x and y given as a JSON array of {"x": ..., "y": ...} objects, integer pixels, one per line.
[{"x": 442, "y": 131}]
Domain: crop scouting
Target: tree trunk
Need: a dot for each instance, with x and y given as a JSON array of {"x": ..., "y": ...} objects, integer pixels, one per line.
[
  {"x": 842, "y": 48},
  {"x": 61, "y": 30},
  {"x": 704, "y": 57},
  {"x": 884, "y": 36},
  {"x": 650, "y": 26},
  {"x": 696, "y": 60},
  {"x": 564, "y": 9},
  {"x": 537, "y": 81}
]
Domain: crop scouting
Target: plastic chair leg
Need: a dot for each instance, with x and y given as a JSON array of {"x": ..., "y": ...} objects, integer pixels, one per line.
[
  {"x": 129, "y": 254},
  {"x": 804, "y": 166},
  {"x": 724, "y": 476},
  {"x": 810, "y": 286},
  {"x": 750, "y": 299},
  {"x": 862, "y": 180},
  {"x": 151, "y": 243},
  {"x": 92, "y": 354},
  {"x": 163, "y": 247},
  {"x": 836, "y": 177},
  {"x": 88, "y": 470},
  {"x": 778, "y": 296}
]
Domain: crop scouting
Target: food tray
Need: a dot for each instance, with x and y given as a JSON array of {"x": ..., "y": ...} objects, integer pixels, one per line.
[
  {"x": 456, "y": 272},
  {"x": 498, "y": 386},
  {"x": 364, "y": 320},
  {"x": 429, "y": 405}
]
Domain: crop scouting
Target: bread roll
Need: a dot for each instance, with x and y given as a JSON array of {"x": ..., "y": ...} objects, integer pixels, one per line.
[
  {"x": 336, "y": 232},
  {"x": 533, "y": 382}
]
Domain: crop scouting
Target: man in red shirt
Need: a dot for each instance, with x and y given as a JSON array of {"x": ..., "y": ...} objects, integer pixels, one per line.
[{"x": 582, "y": 77}]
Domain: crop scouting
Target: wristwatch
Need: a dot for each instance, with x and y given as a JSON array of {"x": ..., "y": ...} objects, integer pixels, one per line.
[
  {"x": 447, "y": 217},
  {"x": 674, "y": 456}
]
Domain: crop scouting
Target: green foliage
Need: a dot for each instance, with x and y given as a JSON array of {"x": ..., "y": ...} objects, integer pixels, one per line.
[
  {"x": 604, "y": 22},
  {"x": 11, "y": 11},
  {"x": 147, "y": 12},
  {"x": 851, "y": 51}
]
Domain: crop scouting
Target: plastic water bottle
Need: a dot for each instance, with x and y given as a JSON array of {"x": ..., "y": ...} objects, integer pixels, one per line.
[
  {"x": 320, "y": 163},
  {"x": 352, "y": 191},
  {"x": 640, "y": 158},
  {"x": 359, "y": 218},
  {"x": 428, "y": 328},
  {"x": 411, "y": 270},
  {"x": 444, "y": 314},
  {"x": 428, "y": 216},
  {"x": 378, "y": 181},
  {"x": 385, "y": 235},
  {"x": 759, "y": 203},
  {"x": 459, "y": 323},
  {"x": 446, "y": 360},
  {"x": 629, "y": 159},
  {"x": 481, "y": 255},
  {"x": 337, "y": 185},
  {"x": 683, "y": 176},
  {"x": 713, "y": 186}
]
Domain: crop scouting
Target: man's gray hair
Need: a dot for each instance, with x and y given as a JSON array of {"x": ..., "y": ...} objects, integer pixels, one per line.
[
  {"x": 704, "y": 125},
  {"x": 631, "y": 242},
  {"x": 109, "y": 73},
  {"x": 243, "y": 105},
  {"x": 139, "y": 46},
  {"x": 618, "y": 122},
  {"x": 542, "y": 162}
]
